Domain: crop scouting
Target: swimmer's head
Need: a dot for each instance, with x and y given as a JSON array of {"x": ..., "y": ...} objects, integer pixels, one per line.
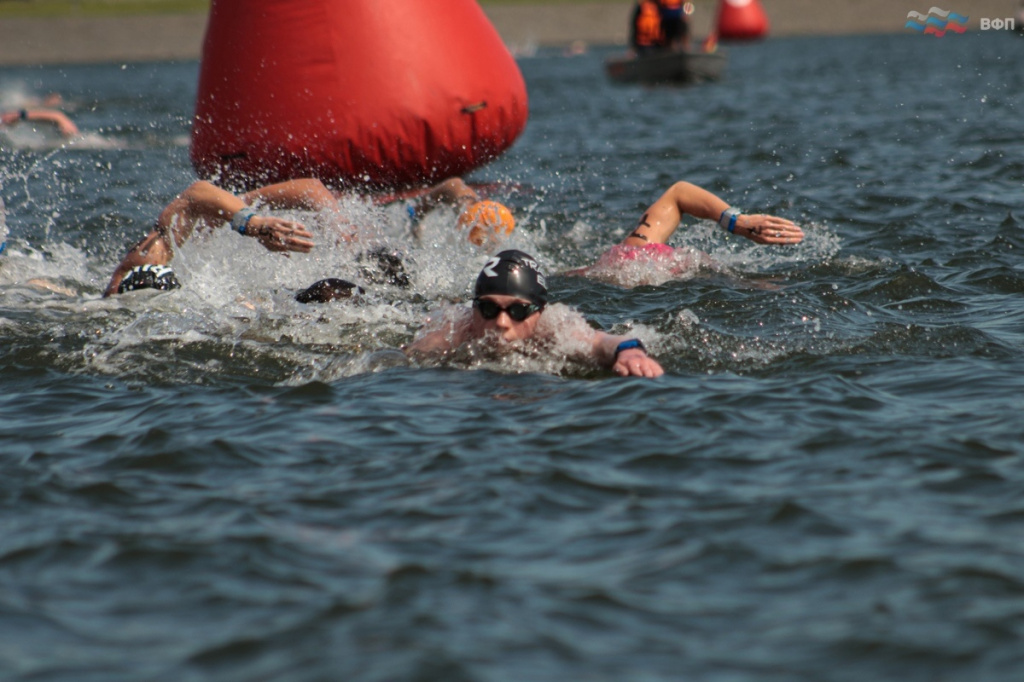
[
  {"x": 148, "y": 277},
  {"x": 487, "y": 221},
  {"x": 512, "y": 273},
  {"x": 327, "y": 290},
  {"x": 382, "y": 266}
]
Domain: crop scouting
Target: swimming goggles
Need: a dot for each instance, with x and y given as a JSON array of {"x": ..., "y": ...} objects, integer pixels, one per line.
[{"x": 489, "y": 310}]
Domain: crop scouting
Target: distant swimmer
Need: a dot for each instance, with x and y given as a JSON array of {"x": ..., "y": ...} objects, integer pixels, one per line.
[
  {"x": 510, "y": 314},
  {"x": 203, "y": 205},
  {"x": 64, "y": 125},
  {"x": 649, "y": 239}
]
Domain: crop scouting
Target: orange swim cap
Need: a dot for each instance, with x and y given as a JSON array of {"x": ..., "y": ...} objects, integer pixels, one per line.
[{"x": 488, "y": 221}]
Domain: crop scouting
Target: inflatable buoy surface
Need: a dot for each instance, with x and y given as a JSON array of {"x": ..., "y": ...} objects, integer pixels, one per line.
[
  {"x": 379, "y": 93},
  {"x": 741, "y": 20}
]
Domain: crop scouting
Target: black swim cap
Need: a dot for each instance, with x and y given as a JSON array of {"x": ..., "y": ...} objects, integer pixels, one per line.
[
  {"x": 382, "y": 266},
  {"x": 513, "y": 273},
  {"x": 148, "y": 277},
  {"x": 327, "y": 290}
]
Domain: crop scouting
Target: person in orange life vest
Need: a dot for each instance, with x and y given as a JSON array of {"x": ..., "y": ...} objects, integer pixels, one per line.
[
  {"x": 673, "y": 24},
  {"x": 645, "y": 33}
]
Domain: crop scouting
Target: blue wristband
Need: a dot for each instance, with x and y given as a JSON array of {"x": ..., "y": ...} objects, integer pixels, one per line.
[
  {"x": 727, "y": 221},
  {"x": 241, "y": 219},
  {"x": 627, "y": 344}
]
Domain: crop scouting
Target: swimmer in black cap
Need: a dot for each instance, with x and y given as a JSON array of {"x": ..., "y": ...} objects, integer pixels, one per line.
[
  {"x": 508, "y": 305},
  {"x": 327, "y": 290},
  {"x": 158, "y": 277}
]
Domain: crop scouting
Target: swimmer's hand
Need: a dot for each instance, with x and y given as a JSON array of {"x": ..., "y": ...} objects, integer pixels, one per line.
[
  {"x": 636, "y": 362},
  {"x": 768, "y": 229},
  {"x": 278, "y": 234}
]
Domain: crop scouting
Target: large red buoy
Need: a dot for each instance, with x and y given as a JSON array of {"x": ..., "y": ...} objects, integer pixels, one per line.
[
  {"x": 741, "y": 20},
  {"x": 380, "y": 93}
]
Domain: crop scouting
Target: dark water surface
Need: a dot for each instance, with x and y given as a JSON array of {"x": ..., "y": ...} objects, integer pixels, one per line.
[{"x": 219, "y": 483}]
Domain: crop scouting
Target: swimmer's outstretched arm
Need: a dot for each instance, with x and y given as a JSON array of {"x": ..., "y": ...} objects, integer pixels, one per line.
[
  {"x": 307, "y": 194},
  {"x": 662, "y": 218},
  {"x": 631, "y": 360},
  {"x": 203, "y": 203},
  {"x": 454, "y": 192}
]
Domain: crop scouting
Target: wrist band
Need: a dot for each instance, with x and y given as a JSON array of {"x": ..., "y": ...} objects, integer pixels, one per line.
[
  {"x": 627, "y": 344},
  {"x": 240, "y": 221},
  {"x": 727, "y": 221}
]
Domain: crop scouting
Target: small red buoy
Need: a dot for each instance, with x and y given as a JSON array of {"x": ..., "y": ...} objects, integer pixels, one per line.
[{"x": 741, "y": 20}]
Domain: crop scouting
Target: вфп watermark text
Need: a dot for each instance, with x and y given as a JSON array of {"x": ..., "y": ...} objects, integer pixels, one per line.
[
  {"x": 1007, "y": 24},
  {"x": 938, "y": 22}
]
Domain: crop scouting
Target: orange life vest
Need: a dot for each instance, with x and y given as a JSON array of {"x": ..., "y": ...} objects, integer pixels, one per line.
[
  {"x": 671, "y": 4},
  {"x": 648, "y": 25}
]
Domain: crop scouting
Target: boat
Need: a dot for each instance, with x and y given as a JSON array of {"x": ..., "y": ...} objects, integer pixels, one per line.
[
  {"x": 677, "y": 67},
  {"x": 734, "y": 20}
]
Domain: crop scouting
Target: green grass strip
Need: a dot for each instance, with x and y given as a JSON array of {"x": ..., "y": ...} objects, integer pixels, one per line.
[{"x": 113, "y": 8}]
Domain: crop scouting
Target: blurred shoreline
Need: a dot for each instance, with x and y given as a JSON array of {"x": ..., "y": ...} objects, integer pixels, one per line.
[{"x": 77, "y": 40}]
